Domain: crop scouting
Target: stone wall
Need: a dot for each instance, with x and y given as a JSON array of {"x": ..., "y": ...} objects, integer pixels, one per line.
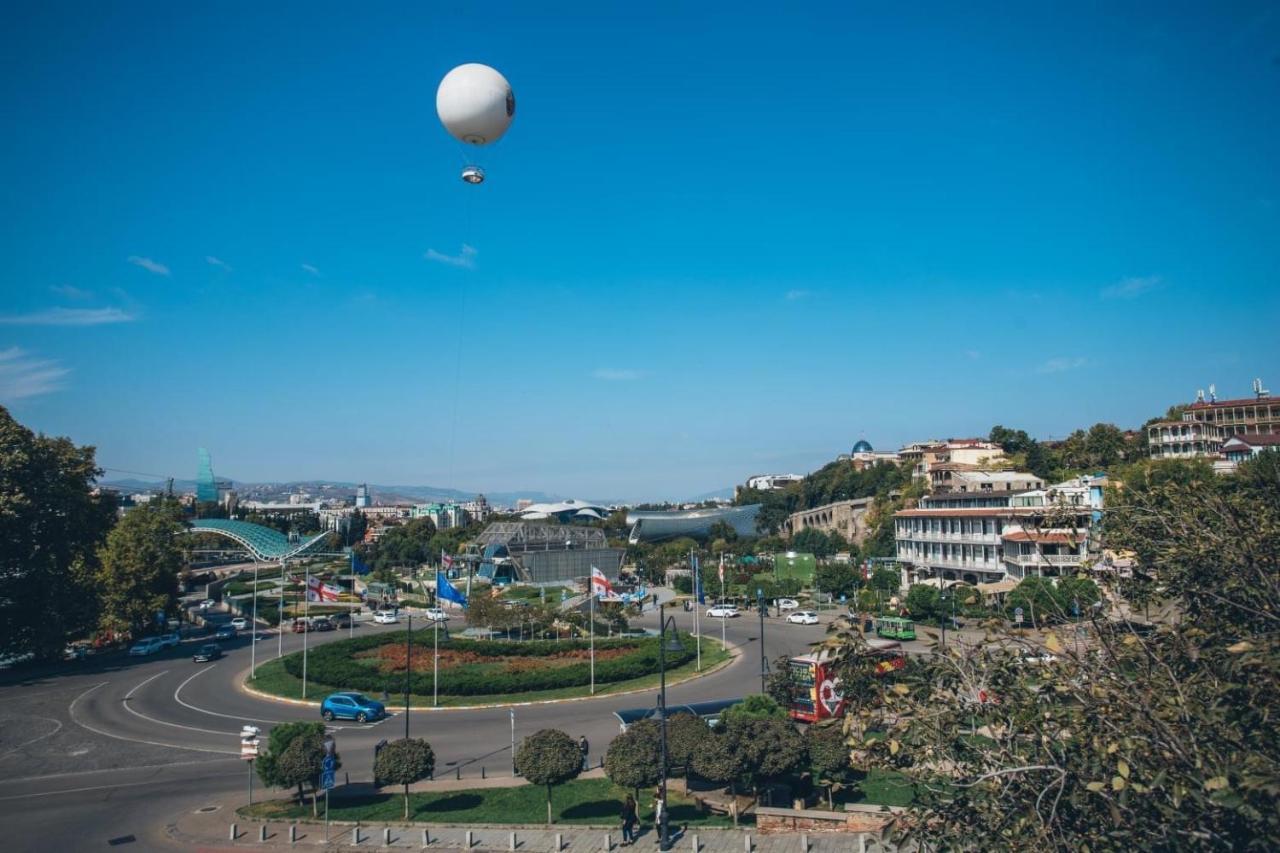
[{"x": 772, "y": 820}]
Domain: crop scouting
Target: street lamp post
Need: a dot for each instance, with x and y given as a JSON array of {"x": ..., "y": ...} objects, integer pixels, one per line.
[
  {"x": 764, "y": 661},
  {"x": 943, "y": 596},
  {"x": 663, "y": 648},
  {"x": 408, "y": 668},
  {"x": 253, "y": 629}
]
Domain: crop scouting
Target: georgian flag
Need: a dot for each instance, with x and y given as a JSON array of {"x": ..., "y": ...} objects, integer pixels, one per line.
[
  {"x": 720, "y": 571},
  {"x": 319, "y": 591},
  {"x": 446, "y": 561},
  {"x": 601, "y": 588}
]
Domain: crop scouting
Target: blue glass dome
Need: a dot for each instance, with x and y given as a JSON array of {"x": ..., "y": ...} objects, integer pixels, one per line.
[{"x": 863, "y": 446}]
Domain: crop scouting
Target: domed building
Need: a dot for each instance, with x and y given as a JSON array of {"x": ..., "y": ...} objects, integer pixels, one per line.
[
  {"x": 864, "y": 455},
  {"x": 863, "y": 446}
]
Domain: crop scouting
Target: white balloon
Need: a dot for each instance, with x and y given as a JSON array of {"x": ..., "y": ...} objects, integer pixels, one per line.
[{"x": 475, "y": 104}]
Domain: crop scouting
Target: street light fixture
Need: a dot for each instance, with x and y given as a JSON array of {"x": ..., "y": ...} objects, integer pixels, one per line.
[{"x": 664, "y": 645}]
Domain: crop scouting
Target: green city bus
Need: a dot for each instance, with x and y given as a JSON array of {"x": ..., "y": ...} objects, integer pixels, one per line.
[{"x": 896, "y": 628}]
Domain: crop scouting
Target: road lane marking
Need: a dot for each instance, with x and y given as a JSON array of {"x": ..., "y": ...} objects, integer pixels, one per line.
[
  {"x": 104, "y": 788},
  {"x": 14, "y": 779},
  {"x": 57, "y": 723},
  {"x": 71, "y": 712},
  {"x": 186, "y": 704}
]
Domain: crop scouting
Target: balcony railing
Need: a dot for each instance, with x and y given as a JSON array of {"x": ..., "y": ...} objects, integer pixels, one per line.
[{"x": 1044, "y": 559}]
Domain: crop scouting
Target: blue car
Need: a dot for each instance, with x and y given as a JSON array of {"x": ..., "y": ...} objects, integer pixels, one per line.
[{"x": 352, "y": 706}]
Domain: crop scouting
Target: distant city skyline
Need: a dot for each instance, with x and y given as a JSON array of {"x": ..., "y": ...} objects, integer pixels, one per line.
[{"x": 716, "y": 242}]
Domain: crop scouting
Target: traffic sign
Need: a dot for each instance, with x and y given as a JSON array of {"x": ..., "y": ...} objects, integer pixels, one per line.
[
  {"x": 326, "y": 780},
  {"x": 1017, "y": 615},
  {"x": 329, "y": 764}
]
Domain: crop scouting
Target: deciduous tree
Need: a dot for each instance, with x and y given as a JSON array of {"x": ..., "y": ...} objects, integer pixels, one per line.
[
  {"x": 634, "y": 757},
  {"x": 140, "y": 566},
  {"x": 549, "y": 757},
  {"x": 403, "y": 762}
]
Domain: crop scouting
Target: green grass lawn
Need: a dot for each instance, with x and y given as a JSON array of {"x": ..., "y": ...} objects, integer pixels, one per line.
[
  {"x": 582, "y": 801},
  {"x": 880, "y": 788},
  {"x": 272, "y": 678},
  {"x": 533, "y": 593}
]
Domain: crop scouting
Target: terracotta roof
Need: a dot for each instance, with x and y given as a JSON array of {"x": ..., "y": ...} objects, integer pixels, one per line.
[
  {"x": 1243, "y": 401},
  {"x": 1264, "y": 440}
]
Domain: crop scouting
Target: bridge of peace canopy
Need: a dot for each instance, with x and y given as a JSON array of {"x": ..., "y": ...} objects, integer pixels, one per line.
[{"x": 264, "y": 543}]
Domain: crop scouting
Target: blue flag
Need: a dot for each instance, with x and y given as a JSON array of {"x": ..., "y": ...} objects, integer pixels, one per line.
[
  {"x": 446, "y": 592},
  {"x": 358, "y": 565},
  {"x": 697, "y": 582}
]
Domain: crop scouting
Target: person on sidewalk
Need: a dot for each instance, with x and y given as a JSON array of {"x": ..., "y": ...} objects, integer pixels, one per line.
[
  {"x": 585, "y": 750},
  {"x": 659, "y": 817},
  {"x": 629, "y": 821}
]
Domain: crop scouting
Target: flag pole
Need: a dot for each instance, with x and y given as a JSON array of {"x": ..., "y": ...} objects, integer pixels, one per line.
[
  {"x": 351, "y": 616},
  {"x": 697, "y": 604},
  {"x": 435, "y": 664},
  {"x": 591, "y": 627},
  {"x": 723, "y": 621},
  {"x": 306, "y": 617}
]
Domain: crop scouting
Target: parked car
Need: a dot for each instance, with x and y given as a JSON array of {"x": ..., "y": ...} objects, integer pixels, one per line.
[
  {"x": 77, "y": 651},
  {"x": 435, "y": 614},
  {"x": 207, "y": 652},
  {"x": 722, "y": 611},
  {"x": 300, "y": 626},
  {"x": 239, "y": 623},
  {"x": 385, "y": 617},
  {"x": 803, "y": 617},
  {"x": 145, "y": 647},
  {"x": 225, "y": 632},
  {"x": 341, "y": 620},
  {"x": 787, "y": 604},
  {"x": 351, "y": 706},
  {"x": 321, "y": 623},
  {"x": 170, "y": 640},
  {"x": 208, "y": 603}
]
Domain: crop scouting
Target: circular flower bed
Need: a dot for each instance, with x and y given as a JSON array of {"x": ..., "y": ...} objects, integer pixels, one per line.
[{"x": 480, "y": 667}]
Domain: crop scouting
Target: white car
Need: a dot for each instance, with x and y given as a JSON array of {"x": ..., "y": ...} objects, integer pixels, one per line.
[
  {"x": 787, "y": 604},
  {"x": 803, "y": 617},
  {"x": 435, "y": 614},
  {"x": 722, "y": 611},
  {"x": 146, "y": 647},
  {"x": 240, "y": 623},
  {"x": 207, "y": 603},
  {"x": 385, "y": 617}
]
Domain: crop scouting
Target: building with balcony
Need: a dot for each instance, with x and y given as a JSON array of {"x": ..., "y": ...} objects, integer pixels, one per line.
[
  {"x": 1239, "y": 448},
  {"x": 923, "y": 456},
  {"x": 984, "y": 538},
  {"x": 1185, "y": 439},
  {"x": 962, "y": 477},
  {"x": 1256, "y": 415}
]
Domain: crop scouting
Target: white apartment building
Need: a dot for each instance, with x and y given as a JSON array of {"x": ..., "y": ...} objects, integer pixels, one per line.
[
  {"x": 984, "y": 538},
  {"x": 963, "y": 478},
  {"x": 1184, "y": 439}
]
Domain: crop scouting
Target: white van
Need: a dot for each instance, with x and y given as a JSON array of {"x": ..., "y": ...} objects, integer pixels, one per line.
[{"x": 148, "y": 646}]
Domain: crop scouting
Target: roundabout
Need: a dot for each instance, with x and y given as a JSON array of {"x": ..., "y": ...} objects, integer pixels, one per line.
[{"x": 145, "y": 739}]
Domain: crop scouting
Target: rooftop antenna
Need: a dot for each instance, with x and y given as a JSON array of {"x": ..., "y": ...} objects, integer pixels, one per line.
[
  {"x": 1200, "y": 396},
  {"x": 1258, "y": 390},
  {"x": 1213, "y": 393}
]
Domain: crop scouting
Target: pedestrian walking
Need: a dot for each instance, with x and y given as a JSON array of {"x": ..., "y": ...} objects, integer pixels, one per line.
[
  {"x": 629, "y": 821},
  {"x": 584, "y": 749},
  {"x": 659, "y": 816}
]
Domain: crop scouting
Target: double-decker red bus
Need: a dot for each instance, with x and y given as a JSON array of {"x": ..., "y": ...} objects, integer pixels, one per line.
[{"x": 816, "y": 688}]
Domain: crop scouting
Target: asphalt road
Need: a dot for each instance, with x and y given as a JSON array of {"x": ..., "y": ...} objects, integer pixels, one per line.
[{"x": 102, "y": 750}]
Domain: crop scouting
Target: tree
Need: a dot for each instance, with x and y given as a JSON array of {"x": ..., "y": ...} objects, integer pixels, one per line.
[
  {"x": 51, "y": 526},
  {"x": 634, "y": 757},
  {"x": 1157, "y": 740},
  {"x": 549, "y": 757},
  {"x": 302, "y": 763},
  {"x": 140, "y": 566},
  {"x": 1038, "y": 600},
  {"x": 922, "y": 602},
  {"x": 718, "y": 760},
  {"x": 780, "y": 685},
  {"x": 769, "y": 748},
  {"x": 269, "y": 766},
  {"x": 829, "y": 757},
  {"x": 685, "y": 735},
  {"x": 403, "y": 762},
  {"x": 836, "y": 579},
  {"x": 756, "y": 706},
  {"x": 884, "y": 579}
]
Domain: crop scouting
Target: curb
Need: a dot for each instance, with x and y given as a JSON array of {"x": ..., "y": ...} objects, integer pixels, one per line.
[{"x": 735, "y": 652}]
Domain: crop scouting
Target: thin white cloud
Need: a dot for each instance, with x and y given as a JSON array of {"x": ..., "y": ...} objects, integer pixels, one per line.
[
  {"x": 465, "y": 259},
  {"x": 149, "y": 265},
  {"x": 217, "y": 262},
  {"x": 1133, "y": 287},
  {"x": 614, "y": 374},
  {"x": 70, "y": 292},
  {"x": 68, "y": 317},
  {"x": 973, "y": 354},
  {"x": 310, "y": 269},
  {"x": 797, "y": 295},
  {"x": 1062, "y": 365},
  {"x": 23, "y": 375}
]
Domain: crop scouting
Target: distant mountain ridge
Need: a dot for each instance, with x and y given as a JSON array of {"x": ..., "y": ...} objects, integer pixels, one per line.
[{"x": 329, "y": 489}]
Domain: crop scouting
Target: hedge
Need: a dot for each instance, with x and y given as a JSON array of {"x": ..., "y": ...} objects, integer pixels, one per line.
[{"x": 333, "y": 664}]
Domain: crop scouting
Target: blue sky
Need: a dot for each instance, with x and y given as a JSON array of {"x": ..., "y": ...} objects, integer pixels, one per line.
[{"x": 715, "y": 242}]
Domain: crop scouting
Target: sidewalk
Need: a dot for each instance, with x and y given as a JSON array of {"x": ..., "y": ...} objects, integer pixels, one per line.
[{"x": 212, "y": 832}]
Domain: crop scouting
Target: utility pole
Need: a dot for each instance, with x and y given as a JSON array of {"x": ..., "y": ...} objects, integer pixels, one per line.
[
  {"x": 408, "y": 669},
  {"x": 764, "y": 661}
]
